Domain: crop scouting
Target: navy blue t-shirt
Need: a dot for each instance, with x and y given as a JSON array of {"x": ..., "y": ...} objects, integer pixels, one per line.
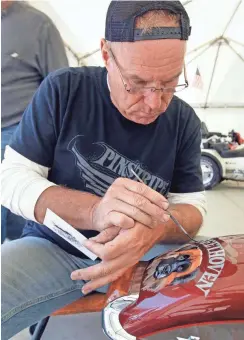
[{"x": 72, "y": 127}]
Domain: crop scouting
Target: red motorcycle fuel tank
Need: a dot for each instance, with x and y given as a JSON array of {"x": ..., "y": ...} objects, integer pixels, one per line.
[{"x": 197, "y": 285}]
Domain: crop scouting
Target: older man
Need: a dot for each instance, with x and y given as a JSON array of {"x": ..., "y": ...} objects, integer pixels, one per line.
[{"x": 85, "y": 134}]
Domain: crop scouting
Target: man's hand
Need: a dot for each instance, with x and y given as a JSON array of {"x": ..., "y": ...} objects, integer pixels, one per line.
[
  {"x": 127, "y": 202},
  {"x": 124, "y": 203},
  {"x": 124, "y": 251},
  {"x": 127, "y": 246}
]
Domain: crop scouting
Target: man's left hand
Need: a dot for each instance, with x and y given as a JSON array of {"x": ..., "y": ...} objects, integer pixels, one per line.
[{"x": 124, "y": 251}]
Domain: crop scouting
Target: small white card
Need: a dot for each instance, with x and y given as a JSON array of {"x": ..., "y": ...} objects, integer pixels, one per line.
[{"x": 67, "y": 232}]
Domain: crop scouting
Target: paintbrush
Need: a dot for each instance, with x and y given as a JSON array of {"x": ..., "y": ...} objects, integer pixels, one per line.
[{"x": 171, "y": 216}]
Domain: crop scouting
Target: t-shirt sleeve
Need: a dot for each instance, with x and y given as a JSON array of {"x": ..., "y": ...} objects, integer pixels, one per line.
[
  {"x": 36, "y": 136},
  {"x": 187, "y": 175}
]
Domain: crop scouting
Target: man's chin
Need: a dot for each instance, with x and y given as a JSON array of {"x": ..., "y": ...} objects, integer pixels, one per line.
[{"x": 143, "y": 120}]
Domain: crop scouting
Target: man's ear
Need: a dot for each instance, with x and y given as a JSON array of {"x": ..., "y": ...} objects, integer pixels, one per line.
[{"x": 104, "y": 51}]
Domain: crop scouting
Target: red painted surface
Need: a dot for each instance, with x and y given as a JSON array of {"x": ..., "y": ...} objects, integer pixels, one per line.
[{"x": 209, "y": 289}]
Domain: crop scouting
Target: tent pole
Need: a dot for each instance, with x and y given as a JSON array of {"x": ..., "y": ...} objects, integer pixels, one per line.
[
  {"x": 235, "y": 42},
  {"x": 212, "y": 75},
  {"x": 210, "y": 42},
  {"x": 71, "y": 50},
  {"x": 238, "y": 54},
  {"x": 231, "y": 18},
  {"x": 199, "y": 54},
  {"x": 87, "y": 55}
]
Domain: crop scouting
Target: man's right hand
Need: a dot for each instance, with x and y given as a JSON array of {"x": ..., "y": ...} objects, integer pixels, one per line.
[{"x": 127, "y": 202}]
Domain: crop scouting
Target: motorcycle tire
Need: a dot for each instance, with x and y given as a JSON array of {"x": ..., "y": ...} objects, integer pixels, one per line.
[{"x": 214, "y": 171}]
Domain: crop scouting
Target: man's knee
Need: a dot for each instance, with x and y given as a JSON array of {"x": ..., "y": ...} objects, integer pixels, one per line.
[
  {"x": 23, "y": 271},
  {"x": 34, "y": 265},
  {"x": 22, "y": 252},
  {"x": 23, "y": 263}
]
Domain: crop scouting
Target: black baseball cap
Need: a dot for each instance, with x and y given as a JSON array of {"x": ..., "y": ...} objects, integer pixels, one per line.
[{"x": 121, "y": 16}]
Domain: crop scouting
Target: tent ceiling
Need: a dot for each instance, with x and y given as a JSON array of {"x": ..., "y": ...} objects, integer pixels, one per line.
[{"x": 81, "y": 24}]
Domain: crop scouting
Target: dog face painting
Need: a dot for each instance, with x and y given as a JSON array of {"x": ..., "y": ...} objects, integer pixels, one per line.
[{"x": 173, "y": 268}]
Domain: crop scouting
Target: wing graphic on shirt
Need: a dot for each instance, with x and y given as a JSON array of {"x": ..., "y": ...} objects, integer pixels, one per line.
[{"x": 94, "y": 180}]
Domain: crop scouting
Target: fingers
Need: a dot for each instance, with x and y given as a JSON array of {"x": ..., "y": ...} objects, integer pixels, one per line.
[
  {"x": 138, "y": 201},
  {"x": 124, "y": 251},
  {"x": 122, "y": 244},
  {"x": 127, "y": 202},
  {"x": 102, "y": 281},
  {"x": 106, "y": 250},
  {"x": 103, "y": 269},
  {"x": 98, "y": 247},
  {"x": 106, "y": 235},
  {"x": 130, "y": 211},
  {"x": 144, "y": 205},
  {"x": 145, "y": 191},
  {"x": 120, "y": 220}
]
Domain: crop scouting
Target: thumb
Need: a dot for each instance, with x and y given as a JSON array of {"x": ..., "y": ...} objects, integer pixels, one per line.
[{"x": 106, "y": 235}]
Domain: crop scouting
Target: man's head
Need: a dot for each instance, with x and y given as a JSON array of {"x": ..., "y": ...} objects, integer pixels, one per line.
[{"x": 144, "y": 48}]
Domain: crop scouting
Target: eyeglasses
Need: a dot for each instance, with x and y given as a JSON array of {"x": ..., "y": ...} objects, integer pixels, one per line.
[{"x": 139, "y": 90}]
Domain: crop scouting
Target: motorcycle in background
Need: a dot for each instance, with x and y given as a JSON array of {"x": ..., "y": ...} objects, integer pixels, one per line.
[{"x": 222, "y": 157}]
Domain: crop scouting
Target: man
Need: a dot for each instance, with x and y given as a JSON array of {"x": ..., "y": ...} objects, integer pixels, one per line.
[
  {"x": 82, "y": 138},
  {"x": 31, "y": 48}
]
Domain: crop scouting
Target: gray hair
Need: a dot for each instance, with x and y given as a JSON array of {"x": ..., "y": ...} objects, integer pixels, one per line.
[{"x": 157, "y": 19}]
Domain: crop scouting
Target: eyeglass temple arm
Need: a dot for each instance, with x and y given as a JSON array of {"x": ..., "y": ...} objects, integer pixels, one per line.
[
  {"x": 117, "y": 66},
  {"x": 185, "y": 75}
]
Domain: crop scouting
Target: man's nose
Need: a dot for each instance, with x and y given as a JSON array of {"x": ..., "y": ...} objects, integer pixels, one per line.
[{"x": 154, "y": 100}]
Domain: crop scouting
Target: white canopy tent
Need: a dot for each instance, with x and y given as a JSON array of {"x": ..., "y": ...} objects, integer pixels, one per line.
[{"x": 215, "y": 48}]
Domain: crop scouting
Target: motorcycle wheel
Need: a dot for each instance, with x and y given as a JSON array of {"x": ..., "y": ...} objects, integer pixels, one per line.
[{"x": 210, "y": 172}]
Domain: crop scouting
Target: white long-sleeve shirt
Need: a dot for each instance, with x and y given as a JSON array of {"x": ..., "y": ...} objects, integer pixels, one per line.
[{"x": 23, "y": 181}]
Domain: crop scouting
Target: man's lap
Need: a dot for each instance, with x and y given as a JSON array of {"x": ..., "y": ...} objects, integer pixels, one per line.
[
  {"x": 40, "y": 264},
  {"x": 36, "y": 280},
  {"x": 40, "y": 261}
]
